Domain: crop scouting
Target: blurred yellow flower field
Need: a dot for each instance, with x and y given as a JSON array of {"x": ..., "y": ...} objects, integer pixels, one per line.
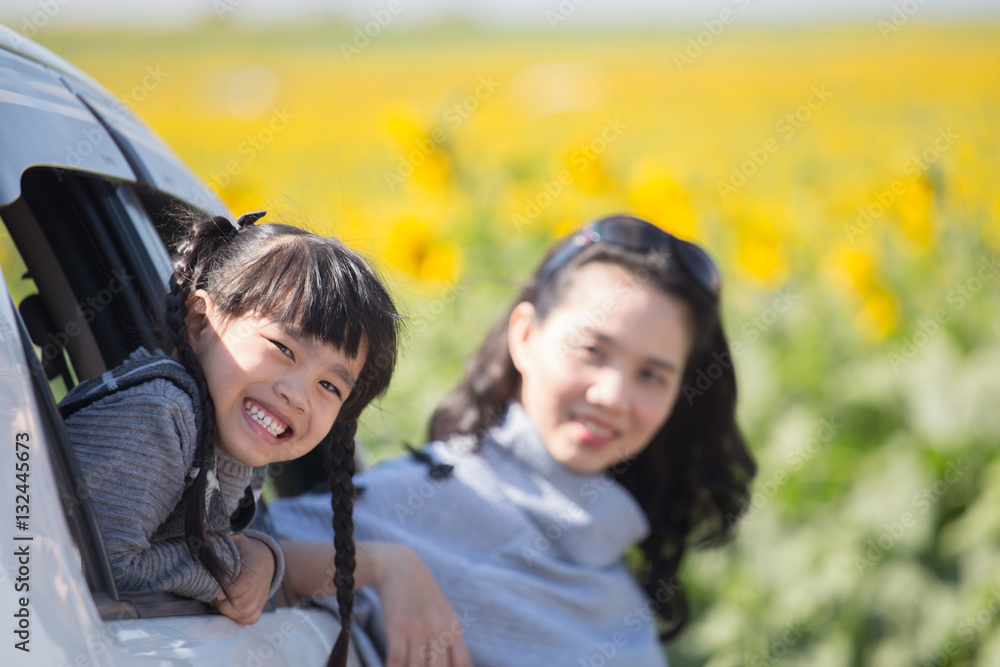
[{"x": 846, "y": 181}]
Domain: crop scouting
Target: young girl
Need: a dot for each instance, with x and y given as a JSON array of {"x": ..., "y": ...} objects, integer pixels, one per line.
[
  {"x": 281, "y": 339},
  {"x": 577, "y": 434}
]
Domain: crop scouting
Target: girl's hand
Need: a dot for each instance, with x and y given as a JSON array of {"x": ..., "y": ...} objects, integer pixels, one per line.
[
  {"x": 421, "y": 627},
  {"x": 250, "y": 589}
]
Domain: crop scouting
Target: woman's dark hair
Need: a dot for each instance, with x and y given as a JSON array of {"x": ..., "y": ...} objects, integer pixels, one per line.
[
  {"x": 330, "y": 293},
  {"x": 693, "y": 479}
]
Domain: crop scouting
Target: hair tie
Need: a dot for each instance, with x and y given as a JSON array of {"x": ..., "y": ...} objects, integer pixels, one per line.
[
  {"x": 242, "y": 222},
  {"x": 435, "y": 469},
  {"x": 248, "y": 219}
]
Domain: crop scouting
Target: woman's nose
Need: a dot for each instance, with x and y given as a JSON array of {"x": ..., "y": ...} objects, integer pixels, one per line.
[{"x": 608, "y": 388}]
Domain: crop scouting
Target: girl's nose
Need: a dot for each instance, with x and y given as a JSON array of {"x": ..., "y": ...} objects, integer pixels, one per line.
[{"x": 292, "y": 391}]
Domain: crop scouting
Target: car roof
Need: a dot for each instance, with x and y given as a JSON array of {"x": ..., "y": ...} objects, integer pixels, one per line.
[
  {"x": 57, "y": 116},
  {"x": 13, "y": 41}
]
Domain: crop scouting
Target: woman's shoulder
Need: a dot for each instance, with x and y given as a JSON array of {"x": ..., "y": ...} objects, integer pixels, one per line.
[
  {"x": 436, "y": 464},
  {"x": 441, "y": 490}
]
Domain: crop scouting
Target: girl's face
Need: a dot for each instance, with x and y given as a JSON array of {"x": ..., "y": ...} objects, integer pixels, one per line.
[
  {"x": 276, "y": 392},
  {"x": 601, "y": 374}
]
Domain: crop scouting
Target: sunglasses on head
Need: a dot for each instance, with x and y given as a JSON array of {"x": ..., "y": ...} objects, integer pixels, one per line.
[{"x": 640, "y": 236}]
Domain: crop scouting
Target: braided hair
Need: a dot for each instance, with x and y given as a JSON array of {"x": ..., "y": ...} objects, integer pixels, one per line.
[{"x": 330, "y": 293}]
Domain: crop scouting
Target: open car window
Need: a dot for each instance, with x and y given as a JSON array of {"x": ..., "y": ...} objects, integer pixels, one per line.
[
  {"x": 87, "y": 271},
  {"x": 98, "y": 282}
]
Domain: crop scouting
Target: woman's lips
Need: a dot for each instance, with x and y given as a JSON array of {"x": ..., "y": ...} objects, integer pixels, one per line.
[{"x": 593, "y": 431}]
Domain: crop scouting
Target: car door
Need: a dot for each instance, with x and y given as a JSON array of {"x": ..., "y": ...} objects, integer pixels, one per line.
[{"x": 85, "y": 195}]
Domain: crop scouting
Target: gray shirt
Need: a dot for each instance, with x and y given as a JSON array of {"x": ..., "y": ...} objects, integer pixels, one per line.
[
  {"x": 136, "y": 450},
  {"x": 529, "y": 554}
]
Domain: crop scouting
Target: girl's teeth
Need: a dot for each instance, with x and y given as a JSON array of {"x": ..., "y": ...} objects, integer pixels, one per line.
[{"x": 271, "y": 425}]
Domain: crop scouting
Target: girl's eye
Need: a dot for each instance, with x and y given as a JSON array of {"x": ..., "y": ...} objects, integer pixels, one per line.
[
  {"x": 284, "y": 350},
  {"x": 329, "y": 386}
]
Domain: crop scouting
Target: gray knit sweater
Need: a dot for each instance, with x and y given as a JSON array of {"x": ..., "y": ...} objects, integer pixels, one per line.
[
  {"x": 136, "y": 450},
  {"x": 529, "y": 554}
]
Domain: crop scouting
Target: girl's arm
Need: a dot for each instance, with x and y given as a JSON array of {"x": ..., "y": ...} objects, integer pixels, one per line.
[
  {"x": 252, "y": 588},
  {"x": 420, "y": 624},
  {"x": 135, "y": 449}
]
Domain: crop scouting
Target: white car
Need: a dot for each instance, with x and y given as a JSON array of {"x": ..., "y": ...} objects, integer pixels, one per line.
[{"x": 83, "y": 188}]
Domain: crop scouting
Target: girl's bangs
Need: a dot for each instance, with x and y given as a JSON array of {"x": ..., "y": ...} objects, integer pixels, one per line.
[{"x": 306, "y": 285}]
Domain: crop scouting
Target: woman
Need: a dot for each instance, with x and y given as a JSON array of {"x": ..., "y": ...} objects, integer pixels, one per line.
[{"x": 576, "y": 434}]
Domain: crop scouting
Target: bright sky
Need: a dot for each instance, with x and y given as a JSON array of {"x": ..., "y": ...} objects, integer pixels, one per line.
[{"x": 520, "y": 13}]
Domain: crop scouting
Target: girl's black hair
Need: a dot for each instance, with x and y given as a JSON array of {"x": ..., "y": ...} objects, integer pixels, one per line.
[
  {"x": 693, "y": 479},
  {"x": 330, "y": 293}
]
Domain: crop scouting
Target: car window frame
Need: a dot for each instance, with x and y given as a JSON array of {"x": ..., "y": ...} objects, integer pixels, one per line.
[{"x": 119, "y": 226}]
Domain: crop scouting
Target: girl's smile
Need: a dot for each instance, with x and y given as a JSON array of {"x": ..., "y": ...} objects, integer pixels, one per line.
[
  {"x": 276, "y": 392},
  {"x": 267, "y": 419}
]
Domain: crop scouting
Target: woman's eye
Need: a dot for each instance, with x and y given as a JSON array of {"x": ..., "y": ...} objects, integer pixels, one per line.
[
  {"x": 329, "y": 386},
  {"x": 284, "y": 350},
  {"x": 654, "y": 377}
]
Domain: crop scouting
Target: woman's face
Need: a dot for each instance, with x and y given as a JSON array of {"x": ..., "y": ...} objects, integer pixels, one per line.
[{"x": 600, "y": 375}]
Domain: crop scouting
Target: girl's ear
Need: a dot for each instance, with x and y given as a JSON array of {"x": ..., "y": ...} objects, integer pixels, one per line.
[
  {"x": 199, "y": 304},
  {"x": 519, "y": 329}
]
